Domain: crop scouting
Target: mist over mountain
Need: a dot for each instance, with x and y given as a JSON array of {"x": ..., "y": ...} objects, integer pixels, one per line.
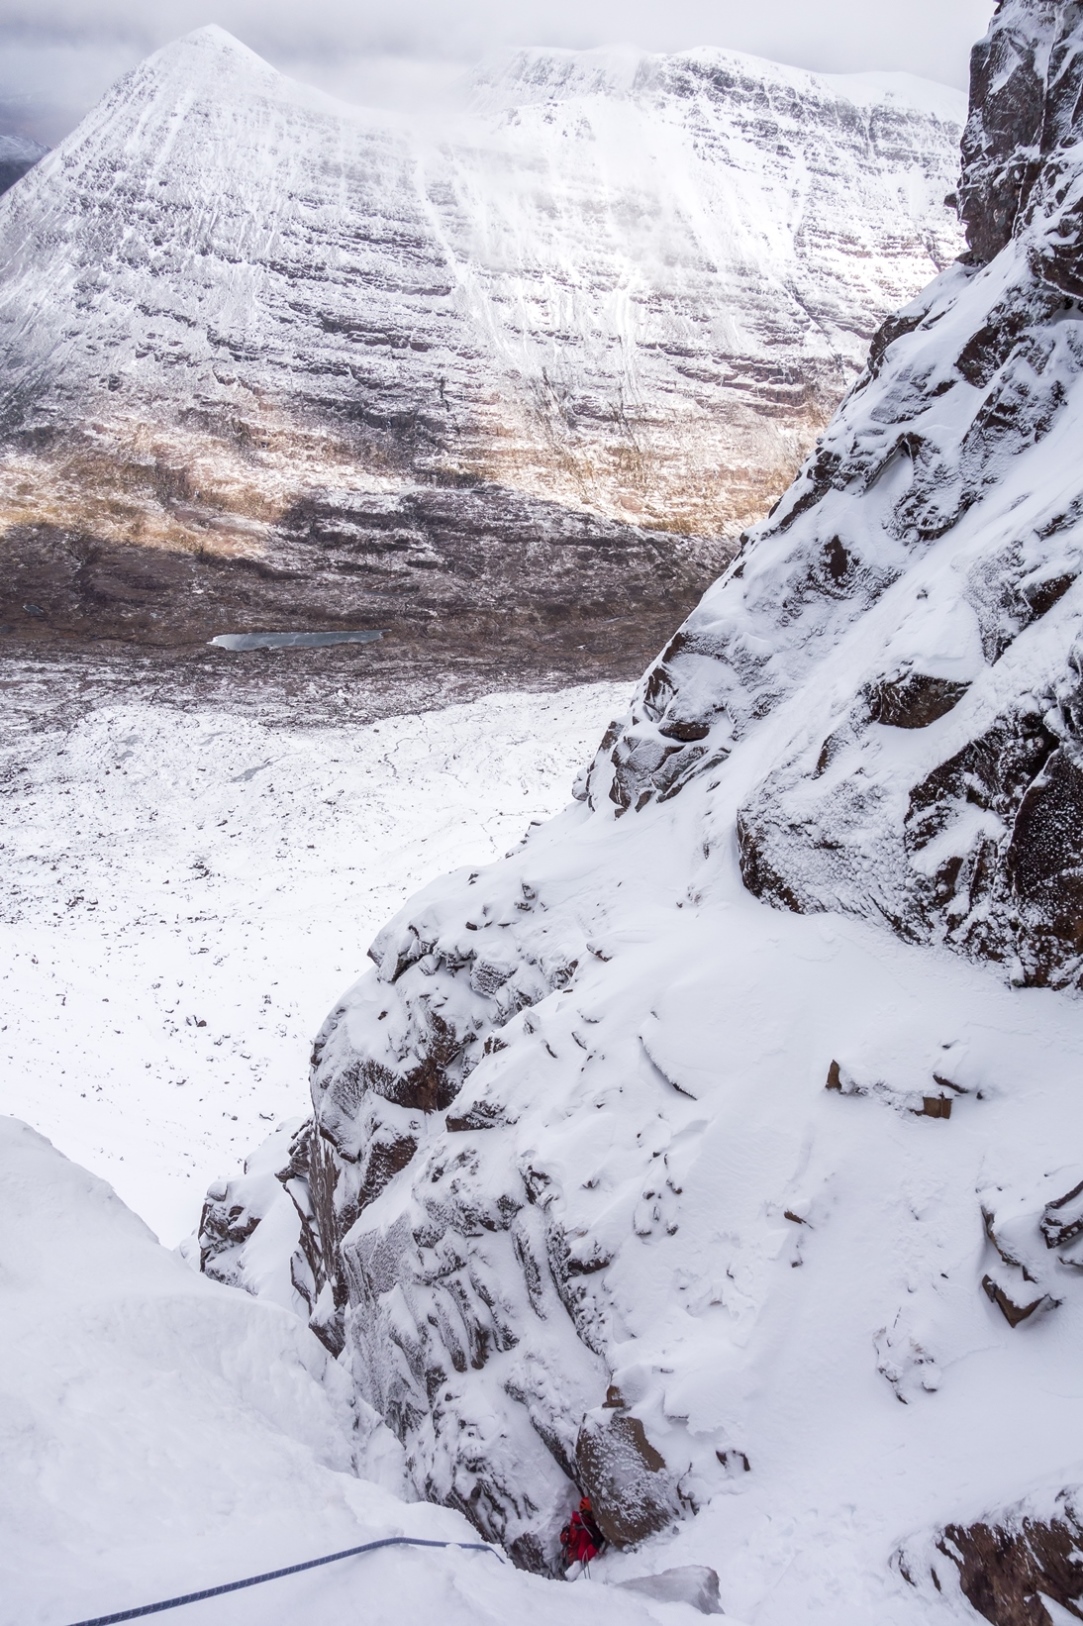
[{"x": 18, "y": 154}]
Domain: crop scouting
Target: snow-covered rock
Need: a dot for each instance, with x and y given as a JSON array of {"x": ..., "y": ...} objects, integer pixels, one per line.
[
  {"x": 718, "y": 1152},
  {"x": 910, "y": 613},
  {"x": 603, "y": 309},
  {"x": 162, "y": 1434}
]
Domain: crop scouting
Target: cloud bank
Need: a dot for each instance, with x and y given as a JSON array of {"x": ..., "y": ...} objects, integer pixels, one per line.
[{"x": 60, "y": 55}]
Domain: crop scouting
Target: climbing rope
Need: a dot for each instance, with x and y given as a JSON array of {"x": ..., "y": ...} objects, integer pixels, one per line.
[{"x": 291, "y": 1569}]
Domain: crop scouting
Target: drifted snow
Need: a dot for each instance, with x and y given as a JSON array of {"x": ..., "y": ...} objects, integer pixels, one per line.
[
  {"x": 163, "y": 870},
  {"x": 162, "y": 1434}
]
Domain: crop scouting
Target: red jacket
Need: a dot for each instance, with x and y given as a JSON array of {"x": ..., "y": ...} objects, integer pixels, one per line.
[{"x": 581, "y": 1539}]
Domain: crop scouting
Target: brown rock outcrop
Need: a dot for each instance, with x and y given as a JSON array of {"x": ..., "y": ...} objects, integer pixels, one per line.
[
  {"x": 1007, "y": 1567},
  {"x": 626, "y": 1479}
]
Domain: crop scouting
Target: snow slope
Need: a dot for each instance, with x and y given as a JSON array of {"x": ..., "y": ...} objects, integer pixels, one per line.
[
  {"x": 179, "y": 889},
  {"x": 162, "y": 1434},
  {"x": 648, "y": 1185},
  {"x": 632, "y": 285},
  {"x": 718, "y": 1151}
]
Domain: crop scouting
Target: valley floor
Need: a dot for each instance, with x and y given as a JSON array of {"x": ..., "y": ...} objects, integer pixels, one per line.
[{"x": 187, "y": 884}]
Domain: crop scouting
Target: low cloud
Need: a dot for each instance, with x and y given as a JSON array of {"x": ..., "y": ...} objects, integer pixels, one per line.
[{"x": 62, "y": 54}]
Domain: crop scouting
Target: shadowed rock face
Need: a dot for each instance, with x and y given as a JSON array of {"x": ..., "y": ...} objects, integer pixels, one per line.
[
  {"x": 1018, "y": 160},
  {"x": 18, "y": 155},
  {"x": 602, "y": 312},
  {"x": 1004, "y": 136}
]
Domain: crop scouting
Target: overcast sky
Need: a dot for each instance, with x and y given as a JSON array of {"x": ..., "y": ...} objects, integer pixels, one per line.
[{"x": 58, "y": 56}]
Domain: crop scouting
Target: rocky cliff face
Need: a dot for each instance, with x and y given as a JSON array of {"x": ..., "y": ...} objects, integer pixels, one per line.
[
  {"x": 620, "y": 1179},
  {"x": 542, "y": 356}
]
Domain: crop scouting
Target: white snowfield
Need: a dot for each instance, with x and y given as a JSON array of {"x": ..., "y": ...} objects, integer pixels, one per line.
[
  {"x": 180, "y": 894},
  {"x": 635, "y": 284},
  {"x": 161, "y": 1434}
]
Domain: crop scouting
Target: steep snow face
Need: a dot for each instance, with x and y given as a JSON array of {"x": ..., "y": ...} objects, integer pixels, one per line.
[
  {"x": 131, "y": 1388},
  {"x": 163, "y": 1434},
  {"x": 691, "y": 1211},
  {"x": 631, "y": 285},
  {"x": 618, "y": 1176}
]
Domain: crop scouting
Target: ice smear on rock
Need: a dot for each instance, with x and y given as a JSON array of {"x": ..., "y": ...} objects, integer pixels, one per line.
[{"x": 619, "y": 1177}]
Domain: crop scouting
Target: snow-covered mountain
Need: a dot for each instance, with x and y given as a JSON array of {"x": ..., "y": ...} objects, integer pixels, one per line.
[
  {"x": 719, "y": 1151},
  {"x": 522, "y": 356}
]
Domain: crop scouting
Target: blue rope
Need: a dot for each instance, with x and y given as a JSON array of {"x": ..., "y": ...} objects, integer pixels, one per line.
[{"x": 291, "y": 1569}]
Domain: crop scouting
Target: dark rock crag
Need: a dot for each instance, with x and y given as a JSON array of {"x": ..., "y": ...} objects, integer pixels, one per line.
[{"x": 1011, "y": 1563}]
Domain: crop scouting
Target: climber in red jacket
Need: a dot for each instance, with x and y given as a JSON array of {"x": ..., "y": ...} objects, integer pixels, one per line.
[{"x": 581, "y": 1538}]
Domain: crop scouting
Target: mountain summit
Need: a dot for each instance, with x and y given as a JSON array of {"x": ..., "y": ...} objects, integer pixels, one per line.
[{"x": 719, "y": 1152}]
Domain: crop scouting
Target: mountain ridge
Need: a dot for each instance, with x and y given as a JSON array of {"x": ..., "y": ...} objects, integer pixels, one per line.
[
  {"x": 630, "y": 63},
  {"x": 631, "y": 310}
]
